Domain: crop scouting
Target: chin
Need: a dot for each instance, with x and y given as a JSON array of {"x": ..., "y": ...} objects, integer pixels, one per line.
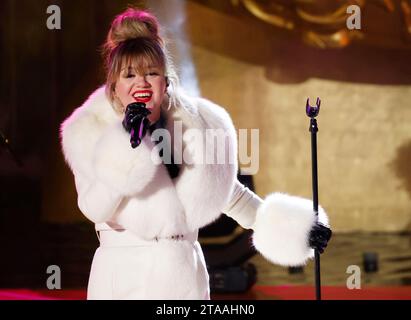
[
  {"x": 154, "y": 116},
  {"x": 153, "y": 120}
]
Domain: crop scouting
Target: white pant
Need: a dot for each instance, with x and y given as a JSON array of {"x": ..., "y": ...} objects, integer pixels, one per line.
[{"x": 126, "y": 267}]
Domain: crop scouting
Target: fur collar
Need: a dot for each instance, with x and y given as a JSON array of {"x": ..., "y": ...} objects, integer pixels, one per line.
[{"x": 201, "y": 189}]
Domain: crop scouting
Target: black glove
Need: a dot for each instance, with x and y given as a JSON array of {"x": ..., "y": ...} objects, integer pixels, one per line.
[
  {"x": 135, "y": 122},
  {"x": 319, "y": 237}
]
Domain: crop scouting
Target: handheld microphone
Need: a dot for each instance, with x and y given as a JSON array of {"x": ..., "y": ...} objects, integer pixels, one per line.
[{"x": 136, "y": 122}]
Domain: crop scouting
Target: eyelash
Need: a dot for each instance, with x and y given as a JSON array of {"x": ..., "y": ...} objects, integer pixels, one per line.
[{"x": 130, "y": 75}]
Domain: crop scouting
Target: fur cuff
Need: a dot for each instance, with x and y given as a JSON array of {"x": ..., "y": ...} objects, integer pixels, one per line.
[
  {"x": 282, "y": 228},
  {"x": 120, "y": 166}
]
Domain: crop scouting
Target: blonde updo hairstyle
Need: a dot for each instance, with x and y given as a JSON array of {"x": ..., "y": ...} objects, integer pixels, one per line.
[{"x": 134, "y": 37}]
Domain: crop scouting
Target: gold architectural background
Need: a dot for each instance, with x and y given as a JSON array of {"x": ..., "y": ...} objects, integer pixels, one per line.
[{"x": 263, "y": 78}]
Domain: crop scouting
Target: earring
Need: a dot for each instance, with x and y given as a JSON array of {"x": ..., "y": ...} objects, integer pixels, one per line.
[
  {"x": 168, "y": 93},
  {"x": 169, "y": 101}
]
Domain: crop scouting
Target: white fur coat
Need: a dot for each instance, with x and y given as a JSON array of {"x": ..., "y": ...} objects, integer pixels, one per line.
[{"x": 129, "y": 187}]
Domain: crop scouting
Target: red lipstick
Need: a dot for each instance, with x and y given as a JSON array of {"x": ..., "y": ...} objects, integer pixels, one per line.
[{"x": 142, "y": 95}]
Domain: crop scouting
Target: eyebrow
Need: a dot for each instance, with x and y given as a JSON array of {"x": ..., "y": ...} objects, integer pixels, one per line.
[
  {"x": 130, "y": 68},
  {"x": 126, "y": 68}
]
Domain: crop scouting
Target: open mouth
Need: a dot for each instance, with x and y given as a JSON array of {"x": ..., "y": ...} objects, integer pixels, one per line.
[{"x": 143, "y": 96}]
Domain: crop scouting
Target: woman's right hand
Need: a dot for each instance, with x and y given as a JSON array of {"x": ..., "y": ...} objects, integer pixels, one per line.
[{"x": 135, "y": 122}]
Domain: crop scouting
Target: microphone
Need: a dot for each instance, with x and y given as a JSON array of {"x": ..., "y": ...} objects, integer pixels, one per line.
[{"x": 136, "y": 122}]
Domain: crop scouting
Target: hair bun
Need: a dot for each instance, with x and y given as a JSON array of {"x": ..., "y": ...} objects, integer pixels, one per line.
[{"x": 132, "y": 24}]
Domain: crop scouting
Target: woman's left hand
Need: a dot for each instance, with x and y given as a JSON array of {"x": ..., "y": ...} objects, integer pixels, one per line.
[{"x": 319, "y": 237}]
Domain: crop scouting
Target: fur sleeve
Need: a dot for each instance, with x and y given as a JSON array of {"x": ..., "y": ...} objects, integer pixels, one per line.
[
  {"x": 125, "y": 169},
  {"x": 98, "y": 151},
  {"x": 97, "y": 201},
  {"x": 282, "y": 228}
]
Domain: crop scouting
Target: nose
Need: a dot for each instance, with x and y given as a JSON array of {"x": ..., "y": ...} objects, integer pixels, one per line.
[{"x": 141, "y": 81}]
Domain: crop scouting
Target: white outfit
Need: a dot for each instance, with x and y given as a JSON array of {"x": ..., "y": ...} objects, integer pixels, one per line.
[{"x": 139, "y": 210}]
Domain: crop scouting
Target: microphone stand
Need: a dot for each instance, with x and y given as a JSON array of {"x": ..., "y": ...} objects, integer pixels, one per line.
[{"x": 312, "y": 112}]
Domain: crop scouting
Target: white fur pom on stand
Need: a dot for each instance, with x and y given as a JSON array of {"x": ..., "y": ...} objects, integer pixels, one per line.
[{"x": 282, "y": 228}]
